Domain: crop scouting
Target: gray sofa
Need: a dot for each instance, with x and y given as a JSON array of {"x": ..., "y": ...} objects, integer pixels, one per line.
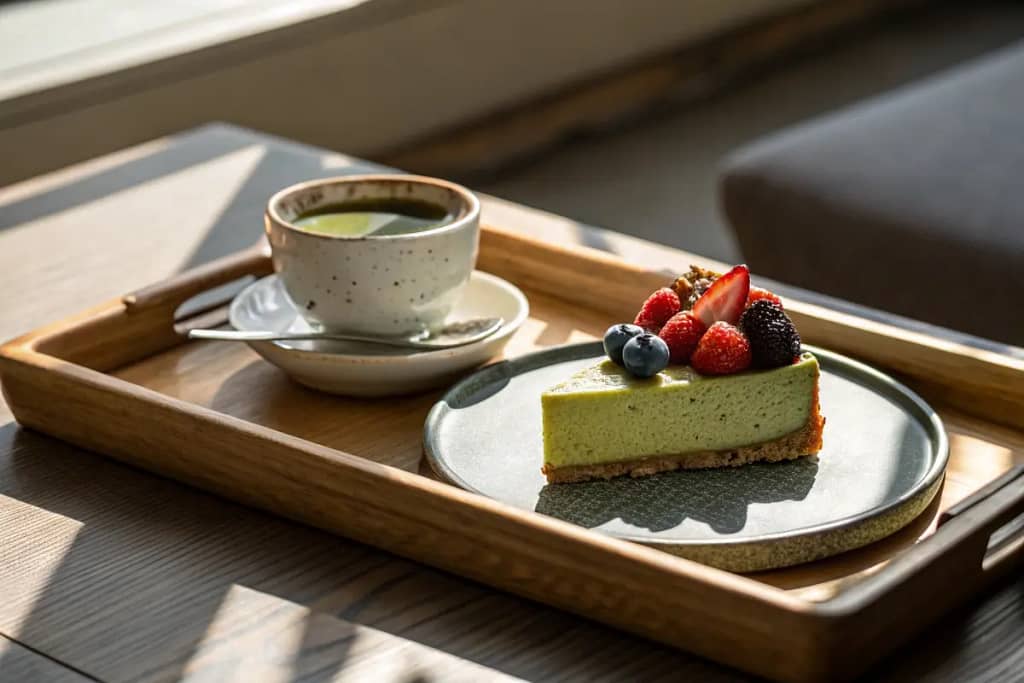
[{"x": 912, "y": 202}]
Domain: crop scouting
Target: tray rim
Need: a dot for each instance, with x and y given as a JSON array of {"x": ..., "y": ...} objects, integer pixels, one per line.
[
  {"x": 926, "y": 486},
  {"x": 67, "y": 360}
]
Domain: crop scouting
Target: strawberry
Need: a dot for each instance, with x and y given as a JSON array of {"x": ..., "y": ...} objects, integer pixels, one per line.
[
  {"x": 725, "y": 298},
  {"x": 659, "y": 307},
  {"x": 681, "y": 333},
  {"x": 759, "y": 294},
  {"x": 722, "y": 350}
]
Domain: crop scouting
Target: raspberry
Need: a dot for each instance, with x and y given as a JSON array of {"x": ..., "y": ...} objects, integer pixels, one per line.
[
  {"x": 774, "y": 341},
  {"x": 722, "y": 350},
  {"x": 647, "y": 324},
  {"x": 681, "y": 333},
  {"x": 658, "y": 308},
  {"x": 758, "y": 294}
]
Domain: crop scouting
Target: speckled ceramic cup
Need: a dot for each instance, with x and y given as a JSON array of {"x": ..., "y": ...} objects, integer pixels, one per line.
[{"x": 382, "y": 285}]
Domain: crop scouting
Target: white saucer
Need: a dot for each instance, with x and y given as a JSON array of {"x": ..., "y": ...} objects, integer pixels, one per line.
[{"x": 355, "y": 369}]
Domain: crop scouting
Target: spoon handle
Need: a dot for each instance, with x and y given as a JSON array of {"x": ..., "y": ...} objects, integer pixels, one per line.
[
  {"x": 448, "y": 339},
  {"x": 260, "y": 335}
]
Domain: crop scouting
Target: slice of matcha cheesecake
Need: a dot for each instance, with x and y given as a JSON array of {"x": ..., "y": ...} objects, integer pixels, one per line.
[
  {"x": 710, "y": 374},
  {"x": 603, "y": 422}
]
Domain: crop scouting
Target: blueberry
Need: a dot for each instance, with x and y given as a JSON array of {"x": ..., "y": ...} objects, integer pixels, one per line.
[
  {"x": 645, "y": 355},
  {"x": 616, "y": 337}
]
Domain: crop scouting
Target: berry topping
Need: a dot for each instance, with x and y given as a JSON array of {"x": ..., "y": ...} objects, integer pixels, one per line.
[
  {"x": 758, "y": 294},
  {"x": 647, "y": 325},
  {"x": 722, "y": 350},
  {"x": 645, "y": 355},
  {"x": 616, "y": 337},
  {"x": 691, "y": 284},
  {"x": 699, "y": 287},
  {"x": 683, "y": 289},
  {"x": 658, "y": 308},
  {"x": 681, "y": 333},
  {"x": 774, "y": 341},
  {"x": 725, "y": 298}
]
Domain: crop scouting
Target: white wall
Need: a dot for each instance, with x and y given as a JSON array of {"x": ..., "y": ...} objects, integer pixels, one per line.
[{"x": 361, "y": 79}]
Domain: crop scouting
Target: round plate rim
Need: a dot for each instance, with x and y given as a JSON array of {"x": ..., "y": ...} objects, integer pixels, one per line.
[{"x": 928, "y": 417}]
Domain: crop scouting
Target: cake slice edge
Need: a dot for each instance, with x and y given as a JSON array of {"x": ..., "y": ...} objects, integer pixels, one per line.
[{"x": 801, "y": 443}]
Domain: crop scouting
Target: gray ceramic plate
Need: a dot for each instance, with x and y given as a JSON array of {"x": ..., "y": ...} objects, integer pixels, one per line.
[{"x": 884, "y": 457}]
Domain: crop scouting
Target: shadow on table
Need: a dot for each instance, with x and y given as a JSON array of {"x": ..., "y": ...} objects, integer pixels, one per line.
[
  {"x": 151, "y": 580},
  {"x": 183, "y": 152},
  {"x": 240, "y": 224}
]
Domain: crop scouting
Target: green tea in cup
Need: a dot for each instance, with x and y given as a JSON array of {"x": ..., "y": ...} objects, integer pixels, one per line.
[
  {"x": 378, "y": 217},
  {"x": 385, "y": 254}
]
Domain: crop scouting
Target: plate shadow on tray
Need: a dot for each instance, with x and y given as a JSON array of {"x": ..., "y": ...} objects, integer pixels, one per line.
[{"x": 718, "y": 497}]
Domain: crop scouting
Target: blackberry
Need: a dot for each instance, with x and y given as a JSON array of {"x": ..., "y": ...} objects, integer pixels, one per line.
[{"x": 774, "y": 341}]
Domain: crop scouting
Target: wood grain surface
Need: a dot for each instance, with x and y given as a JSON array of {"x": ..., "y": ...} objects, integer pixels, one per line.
[
  {"x": 23, "y": 664},
  {"x": 126, "y": 576}
]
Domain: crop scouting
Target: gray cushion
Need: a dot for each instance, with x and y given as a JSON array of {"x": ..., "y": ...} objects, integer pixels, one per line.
[{"x": 912, "y": 202}]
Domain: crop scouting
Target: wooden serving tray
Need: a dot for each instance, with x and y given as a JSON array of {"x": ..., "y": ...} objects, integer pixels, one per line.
[{"x": 121, "y": 379}]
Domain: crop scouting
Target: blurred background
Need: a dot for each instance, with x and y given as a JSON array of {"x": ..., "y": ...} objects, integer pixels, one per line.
[{"x": 616, "y": 113}]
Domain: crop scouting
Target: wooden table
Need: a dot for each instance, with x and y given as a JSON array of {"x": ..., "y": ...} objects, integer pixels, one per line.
[{"x": 112, "y": 574}]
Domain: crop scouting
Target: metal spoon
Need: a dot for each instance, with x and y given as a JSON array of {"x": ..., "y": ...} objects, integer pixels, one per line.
[{"x": 450, "y": 336}]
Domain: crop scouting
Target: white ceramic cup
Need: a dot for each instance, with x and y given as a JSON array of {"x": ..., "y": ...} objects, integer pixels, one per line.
[{"x": 381, "y": 285}]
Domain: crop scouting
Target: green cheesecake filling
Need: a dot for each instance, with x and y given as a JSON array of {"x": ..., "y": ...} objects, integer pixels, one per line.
[{"x": 602, "y": 414}]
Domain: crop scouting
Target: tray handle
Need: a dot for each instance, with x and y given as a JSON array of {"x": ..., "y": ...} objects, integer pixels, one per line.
[
  {"x": 993, "y": 520},
  {"x": 177, "y": 290},
  {"x": 977, "y": 541}
]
